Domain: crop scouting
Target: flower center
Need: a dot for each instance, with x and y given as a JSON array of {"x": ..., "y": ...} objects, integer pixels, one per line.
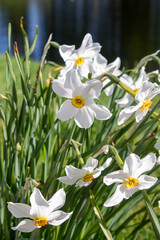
[
  {"x": 79, "y": 61},
  {"x": 131, "y": 182},
  {"x": 78, "y": 102},
  {"x": 136, "y": 90},
  {"x": 40, "y": 222},
  {"x": 88, "y": 178},
  {"x": 147, "y": 104}
]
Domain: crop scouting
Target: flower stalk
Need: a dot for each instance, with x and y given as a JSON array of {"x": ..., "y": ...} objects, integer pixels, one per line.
[{"x": 100, "y": 217}]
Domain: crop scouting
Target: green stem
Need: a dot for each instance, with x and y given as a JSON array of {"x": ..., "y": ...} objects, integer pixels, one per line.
[
  {"x": 117, "y": 157},
  {"x": 77, "y": 152},
  {"x": 152, "y": 215},
  {"x": 100, "y": 217}
]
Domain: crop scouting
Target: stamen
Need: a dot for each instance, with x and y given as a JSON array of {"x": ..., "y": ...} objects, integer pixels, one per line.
[
  {"x": 88, "y": 178},
  {"x": 79, "y": 61},
  {"x": 131, "y": 182},
  {"x": 78, "y": 102},
  {"x": 40, "y": 222},
  {"x": 147, "y": 104}
]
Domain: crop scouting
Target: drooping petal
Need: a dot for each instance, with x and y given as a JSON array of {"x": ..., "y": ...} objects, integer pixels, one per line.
[
  {"x": 144, "y": 91},
  {"x": 148, "y": 163},
  {"x": 132, "y": 163},
  {"x": 19, "y": 210},
  {"x": 66, "y": 51},
  {"x": 125, "y": 101},
  {"x": 101, "y": 112},
  {"x": 60, "y": 90},
  {"x": 39, "y": 206},
  {"x": 145, "y": 182},
  {"x": 139, "y": 115},
  {"x": 58, "y": 217},
  {"x": 57, "y": 200},
  {"x": 116, "y": 198},
  {"x": 114, "y": 177},
  {"x": 67, "y": 111},
  {"x": 126, "y": 113},
  {"x": 26, "y": 225},
  {"x": 90, "y": 164},
  {"x": 84, "y": 117}
]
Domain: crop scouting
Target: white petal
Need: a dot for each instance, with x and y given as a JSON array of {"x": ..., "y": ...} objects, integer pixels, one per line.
[
  {"x": 57, "y": 201},
  {"x": 105, "y": 165},
  {"x": 109, "y": 90},
  {"x": 90, "y": 164},
  {"x": 126, "y": 113},
  {"x": 66, "y": 51},
  {"x": 92, "y": 89},
  {"x": 84, "y": 117},
  {"x": 81, "y": 183},
  {"x": 157, "y": 145},
  {"x": 67, "y": 180},
  {"x": 114, "y": 177},
  {"x": 132, "y": 163},
  {"x": 158, "y": 160},
  {"x": 72, "y": 80},
  {"x": 73, "y": 172},
  {"x": 139, "y": 115},
  {"x": 87, "y": 40},
  {"x": 67, "y": 111},
  {"x": 154, "y": 93},
  {"x": 115, "y": 199},
  {"x": 19, "y": 210},
  {"x": 96, "y": 173},
  {"x": 25, "y": 226},
  {"x": 145, "y": 182},
  {"x": 147, "y": 164},
  {"x": 144, "y": 91},
  {"x": 39, "y": 206},
  {"x": 92, "y": 51},
  {"x": 159, "y": 204},
  {"x": 101, "y": 112},
  {"x": 60, "y": 90},
  {"x": 58, "y": 217},
  {"x": 125, "y": 101},
  {"x": 84, "y": 69},
  {"x": 127, "y": 80}
]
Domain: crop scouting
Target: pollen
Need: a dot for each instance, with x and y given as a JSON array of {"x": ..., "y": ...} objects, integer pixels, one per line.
[
  {"x": 40, "y": 222},
  {"x": 78, "y": 102},
  {"x": 88, "y": 178},
  {"x": 147, "y": 104},
  {"x": 79, "y": 61},
  {"x": 136, "y": 90},
  {"x": 131, "y": 182}
]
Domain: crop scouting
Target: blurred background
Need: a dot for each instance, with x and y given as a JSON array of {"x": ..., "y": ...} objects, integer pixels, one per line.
[{"x": 129, "y": 29}]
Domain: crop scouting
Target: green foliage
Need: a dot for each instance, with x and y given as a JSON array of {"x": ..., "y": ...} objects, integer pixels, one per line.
[{"x": 33, "y": 146}]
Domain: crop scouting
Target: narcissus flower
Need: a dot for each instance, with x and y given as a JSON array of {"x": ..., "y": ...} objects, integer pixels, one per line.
[
  {"x": 41, "y": 212},
  {"x": 130, "y": 178},
  {"x": 135, "y": 86},
  {"x": 81, "y": 58},
  {"x": 84, "y": 176},
  {"x": 80, "y": 104},
  {"x": 143, "y": 97},
  {"x": 100, "y": 66}
]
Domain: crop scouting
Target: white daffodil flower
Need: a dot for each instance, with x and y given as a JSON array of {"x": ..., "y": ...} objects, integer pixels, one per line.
[
  {"x": 143, "y": 97},
  {"x": 127, "y": 100},
  {"x": 84, "y": 176},
  {"x": 130, "y": 178},
  {"x": 80, "y": 104},
  {"x": 81, "y": 58},
  {"x": 100, "y": 66},
  {"x": 41, "y": 212}
]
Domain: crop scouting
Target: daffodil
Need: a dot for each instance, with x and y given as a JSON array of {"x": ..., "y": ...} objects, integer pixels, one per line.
[
  {"x": 81, "y": 58},
  {"x": 100, "y": 66},
  {"x": 84, "y": 176},
  {"x": 130, "y": 178},
  {"x": 143, "y": 98},
  {"x": 80, "y": 104},
  {"x": 135, "y": 86},
  {"x": 41, "y": 212}
]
